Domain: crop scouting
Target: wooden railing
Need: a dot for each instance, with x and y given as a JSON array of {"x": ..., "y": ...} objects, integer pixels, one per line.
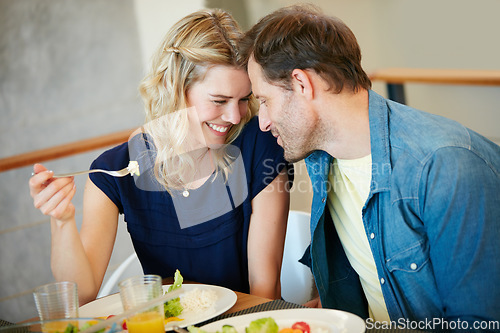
[
  {"x": 395, "y": 78},
  {"x": 64, "y": 150}
]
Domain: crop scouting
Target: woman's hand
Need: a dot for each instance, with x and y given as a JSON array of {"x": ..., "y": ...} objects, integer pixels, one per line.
[
  {"x": 314, "y": 303},
  {"x": 52, "y": 196}
]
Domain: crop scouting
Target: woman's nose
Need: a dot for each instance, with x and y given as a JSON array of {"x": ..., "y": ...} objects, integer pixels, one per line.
[{"x": 232, "y": 114}]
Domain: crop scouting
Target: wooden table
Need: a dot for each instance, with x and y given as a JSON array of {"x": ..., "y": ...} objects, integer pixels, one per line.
[{"x": 246, "y": 301}]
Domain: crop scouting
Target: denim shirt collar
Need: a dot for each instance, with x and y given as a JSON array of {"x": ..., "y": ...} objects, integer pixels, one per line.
[
  {"x": 379, "y": 141},
  {"x": 318, "y": 166},
  {"x": 318, "y": 163}
]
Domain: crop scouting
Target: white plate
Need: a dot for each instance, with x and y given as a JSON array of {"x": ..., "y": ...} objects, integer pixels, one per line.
[
  {"x": 112, "y": 305},
  {"x": 319, "y": 320}
]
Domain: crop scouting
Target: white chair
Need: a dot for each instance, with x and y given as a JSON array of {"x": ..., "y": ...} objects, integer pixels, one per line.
[
  {"x": 296, "y": 279},
  {"x": 129, "y": 267}
]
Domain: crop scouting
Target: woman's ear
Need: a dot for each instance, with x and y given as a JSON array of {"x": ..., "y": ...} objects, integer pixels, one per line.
[{"x": 302, "y": 83}]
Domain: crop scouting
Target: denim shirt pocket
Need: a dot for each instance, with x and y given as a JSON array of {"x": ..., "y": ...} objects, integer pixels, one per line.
[{"x": 412, "y": 259}]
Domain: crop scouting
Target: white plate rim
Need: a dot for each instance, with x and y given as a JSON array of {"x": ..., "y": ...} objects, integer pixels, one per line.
[
  {"x": 225, "y": 300},
  {"x": 350, "y": 322}
]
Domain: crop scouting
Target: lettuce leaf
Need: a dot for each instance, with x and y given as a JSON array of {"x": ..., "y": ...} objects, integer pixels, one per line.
[
  {"x": 173, "y": 308},
  {"x": 178, "y": 279},
  {"x": 263, "y": 325}
]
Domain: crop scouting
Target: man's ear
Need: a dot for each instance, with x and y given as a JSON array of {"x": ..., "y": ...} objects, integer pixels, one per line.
[{"x": 302, "y": 84}]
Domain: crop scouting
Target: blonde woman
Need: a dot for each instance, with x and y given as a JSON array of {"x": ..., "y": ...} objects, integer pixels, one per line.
[{"x": 211, "y": 199}]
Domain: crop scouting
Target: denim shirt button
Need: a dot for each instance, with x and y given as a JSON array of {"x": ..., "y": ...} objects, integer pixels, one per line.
[
  {"x": 372, "y": 235},
  {"x": 323, "y": 200},
  {"x": 382, "y": 281},
  {"x": 413, "y": 266}
]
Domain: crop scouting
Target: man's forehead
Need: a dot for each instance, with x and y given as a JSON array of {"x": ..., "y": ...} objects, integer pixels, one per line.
[
  {"x": 253, "y": 66},
  {"x": 256, "y": 75}
]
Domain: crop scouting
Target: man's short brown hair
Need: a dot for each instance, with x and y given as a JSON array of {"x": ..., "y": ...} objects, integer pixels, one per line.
[{"x": 302, "y": 37}]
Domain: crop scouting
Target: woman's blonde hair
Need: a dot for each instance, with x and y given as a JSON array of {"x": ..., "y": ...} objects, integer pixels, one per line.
[{"x": 195, "y": 43}]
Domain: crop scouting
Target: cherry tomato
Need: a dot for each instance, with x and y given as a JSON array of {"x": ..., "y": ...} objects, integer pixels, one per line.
[{"x": 303, "y": 326}]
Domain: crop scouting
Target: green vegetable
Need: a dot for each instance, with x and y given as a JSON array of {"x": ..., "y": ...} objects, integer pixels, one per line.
[
  {"x": 71, "y": 329},
  {"x": 178, "y": 279},
  {"x": 263, "y": 325},
  {"x": 194, "y": 329},
  {"x": 225, "y": 329},
  {"x": 173, "y": 308},
  {"x": 228, "y": 329}
]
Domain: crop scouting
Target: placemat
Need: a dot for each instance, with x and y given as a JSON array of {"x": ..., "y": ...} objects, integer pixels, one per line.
[
  {"x": 5, "y": 323},
  {"x": 272, "y": 305}
]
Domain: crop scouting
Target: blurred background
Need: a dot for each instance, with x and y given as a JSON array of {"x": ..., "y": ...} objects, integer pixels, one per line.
[{"x": 69, "y": 70}]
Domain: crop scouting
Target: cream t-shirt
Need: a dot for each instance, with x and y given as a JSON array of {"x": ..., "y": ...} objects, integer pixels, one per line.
[{"x": 350, "y": 186}]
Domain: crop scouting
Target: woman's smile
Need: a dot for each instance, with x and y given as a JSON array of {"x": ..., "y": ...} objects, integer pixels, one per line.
[{"x": 219, "y": 130}]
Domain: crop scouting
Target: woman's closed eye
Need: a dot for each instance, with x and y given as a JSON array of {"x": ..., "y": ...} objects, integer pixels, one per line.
[{"x": 219, "y": 102}]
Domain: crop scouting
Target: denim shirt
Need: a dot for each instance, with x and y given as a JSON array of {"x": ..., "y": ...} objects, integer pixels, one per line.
[{"x": 432, "y": 219}]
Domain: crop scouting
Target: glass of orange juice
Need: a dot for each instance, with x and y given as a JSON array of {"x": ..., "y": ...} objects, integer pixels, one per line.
[{"x": 136, "y": 291}]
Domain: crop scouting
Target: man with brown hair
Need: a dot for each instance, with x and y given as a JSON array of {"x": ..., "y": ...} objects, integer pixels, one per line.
[{"x": 406, "y": 208}]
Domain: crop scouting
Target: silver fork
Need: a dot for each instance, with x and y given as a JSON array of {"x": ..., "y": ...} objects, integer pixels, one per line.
[
  {"x": 179, "y": 329},
  {"x": 119, "y": 173}
]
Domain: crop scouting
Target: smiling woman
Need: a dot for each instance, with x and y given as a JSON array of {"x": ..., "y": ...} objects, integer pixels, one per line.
[
  {"x": 211, "y": 199},
  {"x": 196, "y": 65}
]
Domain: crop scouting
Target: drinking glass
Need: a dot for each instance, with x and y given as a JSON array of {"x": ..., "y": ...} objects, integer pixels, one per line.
[
  {"x": 136, "y": 291},
  {"x": 57, "y": 300}
]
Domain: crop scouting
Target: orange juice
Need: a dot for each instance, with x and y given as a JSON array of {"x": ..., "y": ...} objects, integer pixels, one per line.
[{"x": 146, "y": 322}]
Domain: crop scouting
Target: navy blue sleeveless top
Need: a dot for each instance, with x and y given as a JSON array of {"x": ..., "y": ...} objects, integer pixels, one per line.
[{"x": 170, "y": 233}]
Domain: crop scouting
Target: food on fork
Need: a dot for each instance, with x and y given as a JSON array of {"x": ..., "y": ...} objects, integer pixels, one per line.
[{"x": 133, "y": 168}]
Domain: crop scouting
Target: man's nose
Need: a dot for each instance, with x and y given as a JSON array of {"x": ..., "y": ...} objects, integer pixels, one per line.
[
  {"x": 232, "y": 114},
  {"x": 264, "y": 121}
]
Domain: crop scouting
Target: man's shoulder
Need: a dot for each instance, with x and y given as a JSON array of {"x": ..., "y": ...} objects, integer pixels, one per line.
[{"x": 422, "y": 134}]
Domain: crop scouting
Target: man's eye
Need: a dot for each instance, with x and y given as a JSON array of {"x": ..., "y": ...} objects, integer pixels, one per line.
[{"x": 219, "y": 102}]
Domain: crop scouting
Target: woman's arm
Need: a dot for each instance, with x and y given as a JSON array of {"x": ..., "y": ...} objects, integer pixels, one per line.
[
  {"x": 80, "y": 257},
  {"x": 266, "y": 237},
  {"x": 98, "y": 233}
]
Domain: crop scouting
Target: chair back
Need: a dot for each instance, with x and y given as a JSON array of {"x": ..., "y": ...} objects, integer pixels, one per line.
[
  {"x": 131, "y": 266},
  {"x": 296, "y": 279}
]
